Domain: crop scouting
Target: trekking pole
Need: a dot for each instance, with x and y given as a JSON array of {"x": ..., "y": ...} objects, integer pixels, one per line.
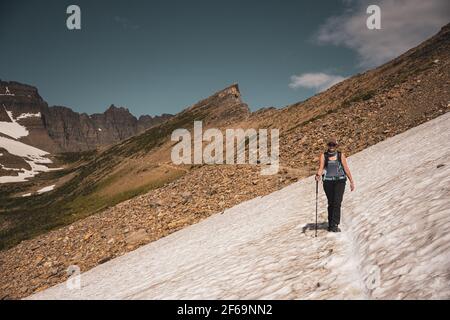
[{"x": 317, "y": 193}]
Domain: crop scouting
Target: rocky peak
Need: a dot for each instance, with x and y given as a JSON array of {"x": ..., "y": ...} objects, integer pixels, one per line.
[
  {"x": 231, "y": 91},
  {"x": 20, "y": 98},
  {"x": 223, "y": 107},
  {"x": 145, "y": 121},
  {"x": 117, "y": 110},
  {"x": 16, "y": 89}
]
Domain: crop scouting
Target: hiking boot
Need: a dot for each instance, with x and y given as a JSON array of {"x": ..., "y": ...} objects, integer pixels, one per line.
[{"x": 334, "y": 229}]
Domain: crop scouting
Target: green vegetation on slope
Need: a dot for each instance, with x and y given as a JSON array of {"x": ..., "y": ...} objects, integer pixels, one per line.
[{"x": 82, "y": 196}]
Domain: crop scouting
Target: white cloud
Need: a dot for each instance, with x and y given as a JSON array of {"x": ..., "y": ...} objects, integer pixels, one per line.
[
  {"x": 404, "y": 23},
  {"x": 318, "y": 81}
]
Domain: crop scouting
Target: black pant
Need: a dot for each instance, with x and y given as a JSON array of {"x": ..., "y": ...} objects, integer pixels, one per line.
[{"x": 335, "y": 192}]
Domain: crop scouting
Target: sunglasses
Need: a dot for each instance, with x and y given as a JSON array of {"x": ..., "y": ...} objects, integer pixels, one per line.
[{"x": 332, "y": 145}]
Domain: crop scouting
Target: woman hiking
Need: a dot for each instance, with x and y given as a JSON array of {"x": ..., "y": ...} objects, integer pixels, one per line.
[{"x": 334, "y": 163}]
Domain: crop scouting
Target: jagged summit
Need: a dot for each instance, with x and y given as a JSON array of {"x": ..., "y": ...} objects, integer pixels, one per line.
[
  {"x": 232, "y": 89},
  {"x": 223, "y": 106},
  {"x": 113, "y": 108}
]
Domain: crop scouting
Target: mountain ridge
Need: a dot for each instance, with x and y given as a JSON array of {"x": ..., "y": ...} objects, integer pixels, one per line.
[{"x": 68, "y": 130}]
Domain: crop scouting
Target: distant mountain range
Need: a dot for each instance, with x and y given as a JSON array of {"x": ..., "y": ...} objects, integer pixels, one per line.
[
  {"x": 31, "y": 131},
  {"x": 60, "y": 129}
]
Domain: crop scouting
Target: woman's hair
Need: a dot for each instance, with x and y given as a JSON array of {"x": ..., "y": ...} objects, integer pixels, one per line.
[{"x": 332, "y": 140}]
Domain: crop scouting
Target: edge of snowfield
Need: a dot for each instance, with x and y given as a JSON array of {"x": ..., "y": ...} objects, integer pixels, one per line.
[{"x": 395, "y": 242}]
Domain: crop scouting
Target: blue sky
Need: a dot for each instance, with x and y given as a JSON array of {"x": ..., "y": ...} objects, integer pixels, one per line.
[{"x": 158, "y": 57}]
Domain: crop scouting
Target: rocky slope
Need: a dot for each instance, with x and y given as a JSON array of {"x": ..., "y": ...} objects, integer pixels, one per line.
[{"x": 361, "y": 111}]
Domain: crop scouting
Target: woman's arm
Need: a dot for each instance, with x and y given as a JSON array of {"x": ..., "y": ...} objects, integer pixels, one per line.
[
  {"x": 321, "y": 167},
  {"x": 347, "y": 171}
]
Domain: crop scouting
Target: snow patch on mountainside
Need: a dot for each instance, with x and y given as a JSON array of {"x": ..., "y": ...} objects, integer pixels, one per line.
[
  {"x": 29, "y": 115},
  {"x": 46, "y": 189},
  {"x": 33, "y": 156},
  {"x": 23, "y": 150},
  {"x": 13, "y": 129},
  {"x": 395, "y": 242}
]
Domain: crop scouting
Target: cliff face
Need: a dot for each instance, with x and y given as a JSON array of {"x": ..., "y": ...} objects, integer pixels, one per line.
[
  {"x": 25, "y": 105},
  {"x": 74, "y": 131},
  {"x": 60, "y": 129}
]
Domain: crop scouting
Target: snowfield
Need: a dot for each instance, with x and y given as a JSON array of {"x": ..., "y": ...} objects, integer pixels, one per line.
[{"x": 395, "y": 242}]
